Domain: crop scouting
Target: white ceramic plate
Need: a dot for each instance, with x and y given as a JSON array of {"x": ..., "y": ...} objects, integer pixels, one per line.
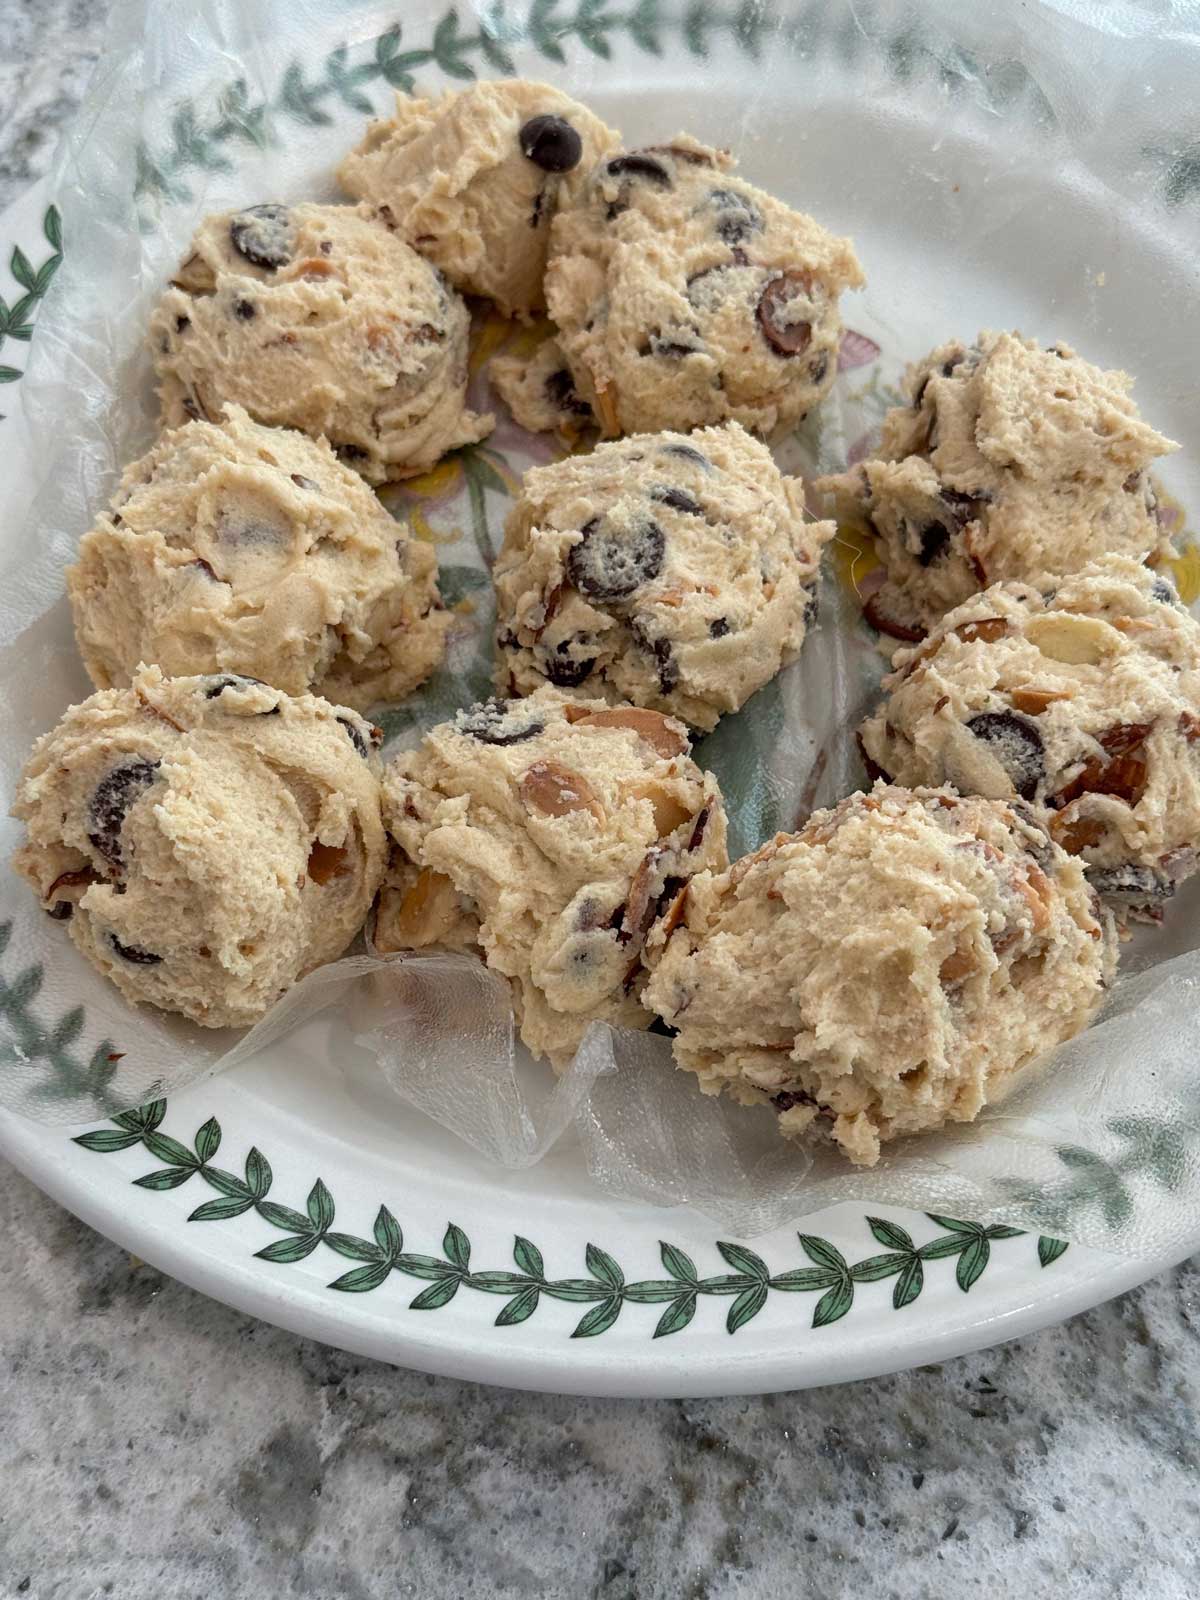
[{"x": 300, "y": 1190}]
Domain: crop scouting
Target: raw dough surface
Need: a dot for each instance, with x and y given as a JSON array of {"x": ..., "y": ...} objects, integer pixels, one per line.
[
  {"x": 474, "y": 178},
  {"x": 1084, "y": 701},
  {"x": 684, "y": 296},
  {"x": 232, "y": 547},
  {"x": 540, "y": 392},
  {"x": 557, "y": 835},
  {"x": 208, "y": 840},
  {"x": 888, "y": 969},
  {"x": 318, "y": 318},
  {"x": 1011, "y": 462},
  {"x": 670, "y": 570}
]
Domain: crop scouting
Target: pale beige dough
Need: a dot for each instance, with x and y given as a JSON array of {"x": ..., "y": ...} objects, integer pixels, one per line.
[
  {"x": 207, "y": 839},
  {"x": 1084, "y": 701},
  {"x": 555, "y": 836},
  {"x": 540, "y": 392},
  {"x": 318, "y": 318},
  {"x": 888, "y": 969},
  {"x": 683, "y": 296},
  {"x": 1010, "y": 462},
  {"x": 674, "y": 571},
  {"x": 231, "y": 547},
  {"x": 474, "y": 178}
]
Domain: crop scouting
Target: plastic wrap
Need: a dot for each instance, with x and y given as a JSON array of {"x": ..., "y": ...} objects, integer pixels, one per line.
[{"x": 1009, "y": 165}]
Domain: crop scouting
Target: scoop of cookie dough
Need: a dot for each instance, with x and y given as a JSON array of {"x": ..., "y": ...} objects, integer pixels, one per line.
[
  {"x": 473, "y": 180},
  {"x": 670, "y": 570},
  {"x": 558, "y": 836},
  {"x": 207, "y": 840},
  {"x": 683, "y": 296},
  {"x": 318, "y": 318},
  {"x": 1010, "y": 462},
  {"x": 1084, "y": 701},
  {"x": 232, "y": 547},
  {"x": 886, "y": 970}
]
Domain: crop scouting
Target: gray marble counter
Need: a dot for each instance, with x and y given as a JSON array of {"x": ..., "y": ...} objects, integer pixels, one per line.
[{"x": 155, "y": 1443}]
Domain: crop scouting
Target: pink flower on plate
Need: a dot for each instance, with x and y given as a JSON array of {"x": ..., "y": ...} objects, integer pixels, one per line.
[
  {"x": 862, "y": 447},
  {"x": 856, "y": 350}
]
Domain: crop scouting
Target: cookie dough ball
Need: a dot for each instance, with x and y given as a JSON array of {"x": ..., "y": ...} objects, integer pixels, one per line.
[
  {"x": 206, "y": 840},
  {"x": 473, "y": 180},
  {"x": 886, "y": 970},
  {"x": 318, "y": 318},
  {"x": 685, "y": 297},
  {"x": 674, "y": 571},
  {"x": 557, "y": 836},
  {"x": 1084, "y": 701},
  {"x": 232, "y": 547},
  {"x": 1010, "y": 462}
]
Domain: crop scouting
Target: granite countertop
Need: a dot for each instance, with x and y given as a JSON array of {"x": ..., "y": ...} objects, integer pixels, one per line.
[{"x": 154, "y": 1442}]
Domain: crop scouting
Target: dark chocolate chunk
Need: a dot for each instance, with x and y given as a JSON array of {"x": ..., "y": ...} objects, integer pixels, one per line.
[
  {"x": 262, "y": 235},
  {"x": 688, "y": 453},
  {"x": 935, "y": 541},
  {"x": 608, "y": 564},
  {"x": 718, "y": 628},
  {"x": 563, "y": 669},
  {"x": 1016, "y": 744},
  {"x": 498, "y": 722},
  {"x": 230, "y": 680},
  {"x": 785, "y": 335},
  {"x": 244, "y": 310},
  {"x": 113, "y": 796},
  {"x": 737, "y": 215},
  {"x": 131, "y": 952},
  {"x": 551, "y": 143},
  {"x": 1129, "y": 883},
  {"x": 357, "y": 738},
  {"x": 677, "y": 499},
  {"x": 561, "y": 392},
  {"x": 638, "y": 165}
]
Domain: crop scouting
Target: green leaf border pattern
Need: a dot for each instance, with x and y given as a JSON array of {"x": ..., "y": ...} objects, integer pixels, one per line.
[
  {"x": 606, "y": 1290},
  {"x": 197, "y": 139},
  {"x": 16, "y": 320}
]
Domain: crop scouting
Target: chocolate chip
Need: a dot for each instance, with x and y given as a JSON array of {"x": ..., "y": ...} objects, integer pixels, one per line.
[
  {"x": 701, "y": 823},
  {"x": 935, "y": 541},
  {"x": 688, "y": 453},
  {"x": 637, "y": 165},
  {"x": 737, "y": 216},
  {"x": 230, "y": 680},
  {"x": 349, "y": 452},
  {"x": 810, "y": 605},
  {"x": 326, "y": 245},
  {"x": 788, "y": 1098},
  {"x": 718, "y": 628},
  {"x": 663, "y": 1029},
  {"x": 357, "y": 738},
  {"x": 498, "y": 722},
  {"x": 131, "y": 952},
  {"x": 1129, "y": 883},
  {"x": 1165, "y": 591},
  {"x": 818, "y": 370},
  {"x": 1016, "y": 744},
  {"x": 263, "y": 236},
  {"x": 113, "y": 796},
  {"x": 608, "y": 564},
  {"x": 563, "y": 669},
  {"x": 302, "y": 482},
  {"x": 244, "y": 309},
  {"x": 61, "y": 911},
  {"x": 785, "y": 335},
  {"x": 965, "y": 507},
  {"x": 182, "y": 324},
  {"x": 673, "y": 346},
  {"x": 560, "y": 390},
  {"x": 551, "y": 143},
  {"x": 539, "y": 205},
  {"x": 205, "y": 567},
  {"x": 677, "y": 499}
]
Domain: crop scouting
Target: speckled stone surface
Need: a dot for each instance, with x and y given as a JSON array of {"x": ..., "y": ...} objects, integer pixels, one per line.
[{"x": 154, "y": 1443}]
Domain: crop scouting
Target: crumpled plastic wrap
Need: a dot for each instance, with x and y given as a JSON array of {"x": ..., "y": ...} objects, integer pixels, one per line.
[{"x": 1007, "y": 165}]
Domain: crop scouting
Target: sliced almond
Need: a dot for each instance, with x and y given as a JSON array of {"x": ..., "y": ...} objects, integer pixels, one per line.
[
  {"x": 1035, "y": 888},
  {"x": 664, "y": 733},
  {"x": 959, "y": 964},
  {"x": 428, "y": 911},
  {"x": 813, "y": 834},
  {"x": 196, "y": 276},
  {"x": 552, "y": 790},
  {"x": 989, "y": 629},
  {"x": 1035, "y": 701},
  {"x": 669, "y": 811},
  {"x": 1078, "y": 641},
  {"x": 606, "y": 410},
  {"x": 315, "y": 267},
  {"x": 673, "y": 915},
  {"x": 1075, "y": 833}
]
